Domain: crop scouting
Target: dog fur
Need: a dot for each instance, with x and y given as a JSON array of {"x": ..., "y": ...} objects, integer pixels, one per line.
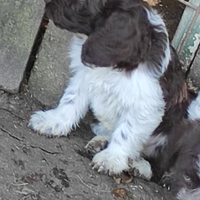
[
  {"x": 177, "y": 164},
  {"x": 123, "y": 69}
]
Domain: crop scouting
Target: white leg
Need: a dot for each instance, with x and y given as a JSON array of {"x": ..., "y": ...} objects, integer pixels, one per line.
[
  {"x": 99, "y": 129},
  {"x": 72, "y": 106},
  {"x": 127, "y": 142},
  {"x": 74, "y": 103}
]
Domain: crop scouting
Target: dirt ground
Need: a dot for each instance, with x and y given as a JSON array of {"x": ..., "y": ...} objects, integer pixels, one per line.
[{"x": 34, "y": 167}]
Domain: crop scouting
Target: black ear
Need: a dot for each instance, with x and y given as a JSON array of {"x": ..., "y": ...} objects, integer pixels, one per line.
[
  {"x": 122, "y": 41},
  {"x": 130, "y": 4}
]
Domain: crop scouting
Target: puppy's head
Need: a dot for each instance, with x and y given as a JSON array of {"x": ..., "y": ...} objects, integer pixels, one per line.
[
  {"x": 119, "y": 33},
  {"x": 79, "y": 16},
  {"x": 70, "y": 14}
]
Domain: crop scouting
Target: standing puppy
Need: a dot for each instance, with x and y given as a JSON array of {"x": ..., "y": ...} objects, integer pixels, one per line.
[{"x": 125, "y": 71}]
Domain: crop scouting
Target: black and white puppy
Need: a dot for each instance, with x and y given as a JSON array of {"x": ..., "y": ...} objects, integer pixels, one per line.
[
  {"x": 125, "y": 71},
  {"x": 177, "y": 164}
]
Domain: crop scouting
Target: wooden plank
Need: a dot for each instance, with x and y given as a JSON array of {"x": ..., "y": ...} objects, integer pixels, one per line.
[{"x": 187, "y": 37}]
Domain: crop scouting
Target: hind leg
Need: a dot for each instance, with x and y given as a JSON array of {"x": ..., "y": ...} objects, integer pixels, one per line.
[{"x": 100, "y": 141}]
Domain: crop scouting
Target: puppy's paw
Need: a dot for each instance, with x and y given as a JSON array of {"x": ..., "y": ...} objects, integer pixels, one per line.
[
  {"x": 96, "y": 144},
  {"x": 109, "y": 161},
  {"x": 123, "y": 178},
  {"x": 48, "y": 123},
  {"x": 140, "y": 168},
  {"x": 167, "y": 179}
]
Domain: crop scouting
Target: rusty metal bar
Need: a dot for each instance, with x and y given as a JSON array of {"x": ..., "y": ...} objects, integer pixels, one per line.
[{"x": 188, "y": 4}]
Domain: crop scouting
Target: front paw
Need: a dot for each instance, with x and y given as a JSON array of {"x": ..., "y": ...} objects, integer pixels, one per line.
[
  {"x": 96, "y": 144},
  {"x": 140, "y": 168},
  {"x": 109, "y": 161},
  {"x": 48, "y": 123},
  {"x": 167, "y": 180}
]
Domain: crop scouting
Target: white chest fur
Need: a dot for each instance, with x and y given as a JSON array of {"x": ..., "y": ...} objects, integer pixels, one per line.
[{"x": 112, "y": 94}]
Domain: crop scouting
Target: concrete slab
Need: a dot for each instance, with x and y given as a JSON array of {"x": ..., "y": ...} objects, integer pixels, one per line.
[
  {"x": 19, "y": 25},
  {"x": 50, "y": 73},
  {"x": 194, "y": 74}
]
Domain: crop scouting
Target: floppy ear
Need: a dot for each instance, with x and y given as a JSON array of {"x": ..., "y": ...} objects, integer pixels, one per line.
[{"x": 122, "y": 41}]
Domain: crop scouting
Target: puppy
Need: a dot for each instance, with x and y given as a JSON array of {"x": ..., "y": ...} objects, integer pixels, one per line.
[
  {"x": 177, "y": 164},
  {"x": 124, "y": 69}
]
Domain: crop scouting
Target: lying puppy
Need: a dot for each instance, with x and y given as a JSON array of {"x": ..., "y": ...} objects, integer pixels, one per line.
[
  {"x": 125, "y": 71},
  {"x": 177, "y": 163}
]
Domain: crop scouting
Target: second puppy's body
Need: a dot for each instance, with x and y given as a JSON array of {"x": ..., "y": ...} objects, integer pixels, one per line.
[{"x": 177, "y": 163}]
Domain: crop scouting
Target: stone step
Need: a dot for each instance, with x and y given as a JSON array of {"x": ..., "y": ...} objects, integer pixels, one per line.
[
  {"x": 50, "y": 73},
  {"x": 19, "y": 24}
]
